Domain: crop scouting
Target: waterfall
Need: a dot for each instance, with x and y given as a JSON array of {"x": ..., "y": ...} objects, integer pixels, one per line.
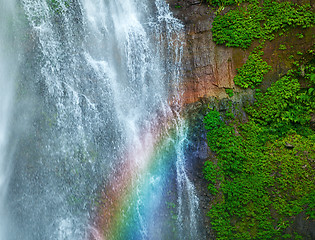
[
  {"x": 8, "y": 63},
  {"x": 93, "y": 111}
]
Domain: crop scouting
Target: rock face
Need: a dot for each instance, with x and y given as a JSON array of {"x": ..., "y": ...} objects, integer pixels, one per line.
[{"x": 208, "y": 68}]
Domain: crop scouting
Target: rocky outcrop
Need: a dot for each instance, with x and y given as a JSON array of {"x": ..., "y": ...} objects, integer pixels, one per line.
[{"x": 208, "y": 68}]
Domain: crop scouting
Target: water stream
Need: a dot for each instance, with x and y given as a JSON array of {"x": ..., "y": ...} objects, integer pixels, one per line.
[
  {"x": 92, "y": 142},
  {"x": 8, "y": 69}
]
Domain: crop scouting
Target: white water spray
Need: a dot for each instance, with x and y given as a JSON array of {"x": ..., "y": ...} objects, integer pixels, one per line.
[
  {"x": 8, "y": 66},
  {"x": 98, "y": 74}
]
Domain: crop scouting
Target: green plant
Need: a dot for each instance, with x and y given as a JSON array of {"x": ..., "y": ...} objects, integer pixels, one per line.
[
  {"x": 262, "y": 176},
  {"x": 210, "y": 172},
  {"x": 284, "y": 102},
  {"x": 221, "y": 2},
  {"x": 241, "y": 26},
  {"x": 282, "y": 47},
  {"x": 252, "y": 72},
  {"x": 212, "y": 120},
  {"x": 229, "y": 92},
  {"x": 237, "y": 28}
]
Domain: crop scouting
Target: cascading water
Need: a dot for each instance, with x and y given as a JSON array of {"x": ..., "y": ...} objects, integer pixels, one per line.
[
  {"x": 100, "y": 148},
  {"x": 8, "y": 67}
]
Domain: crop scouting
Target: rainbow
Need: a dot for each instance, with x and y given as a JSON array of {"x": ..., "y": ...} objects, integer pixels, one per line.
[{"x": 134, "y": 193}]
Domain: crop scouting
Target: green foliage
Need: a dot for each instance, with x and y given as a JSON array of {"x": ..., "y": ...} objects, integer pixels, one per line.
[
  {"x": 229, "y": 112},
  {"x": 212, "y": 120},
  {"x": 211, "y": 175},
  {"x": 256, "y": 177},
  {"x": 252, "y": 72},
  {"x": 233, "y": 159},
  {"x": 229, "y": 92},
  {"x": 285, "y": 102},
  {"x": 221, "y": 2},
  {"x": 240, "y": 26},
  {"x": 282, "y": 47},
  {"x": 264, "y": 172},
  {"x": 264, "y": 175}
]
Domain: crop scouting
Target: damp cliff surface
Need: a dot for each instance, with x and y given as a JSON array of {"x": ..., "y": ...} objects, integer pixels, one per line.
[
  {"x": 209, "y": 70},
  {"x": 199, "y": 152}
]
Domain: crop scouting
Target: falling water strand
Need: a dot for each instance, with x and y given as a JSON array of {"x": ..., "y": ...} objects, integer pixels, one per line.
[
  {"x": 186, "y": 190},
  {"x": 187, "y": 197}
]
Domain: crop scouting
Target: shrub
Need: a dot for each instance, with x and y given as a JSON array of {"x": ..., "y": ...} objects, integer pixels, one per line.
[{"x": 252, "y": 72}]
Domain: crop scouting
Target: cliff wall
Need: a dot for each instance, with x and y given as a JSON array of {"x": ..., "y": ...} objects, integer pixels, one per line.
[{"x": 209, "y": 69}]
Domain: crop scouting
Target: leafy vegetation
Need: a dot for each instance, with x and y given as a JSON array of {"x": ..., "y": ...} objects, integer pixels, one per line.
[
  {"x": 284, "y": 103},
  {"x": 282, "y": 47},
  {"x": 264, "y": 174},
  {"x": 226, "y": 2},
  {"x": 241, "y": 26},
  {"x": 229, "y": 92},
  {"x": 221, "y": 2},
  {"x": 252, "y": 72}
]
